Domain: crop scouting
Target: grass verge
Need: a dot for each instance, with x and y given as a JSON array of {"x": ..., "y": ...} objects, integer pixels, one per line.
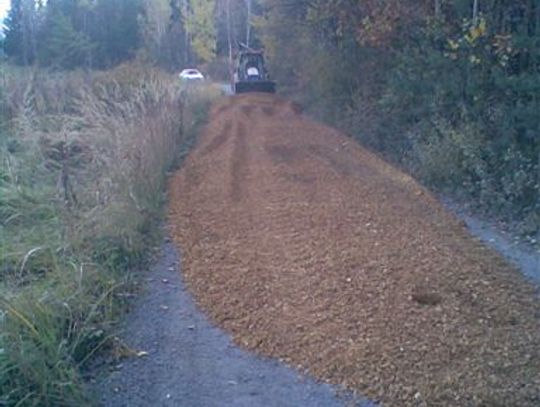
[{"x": 84, "y": 159}]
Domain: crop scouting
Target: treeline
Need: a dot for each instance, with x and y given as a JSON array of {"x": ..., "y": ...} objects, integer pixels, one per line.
[
  {"x": 449, "y": 89},
  {"x": 68, "y": 34}
]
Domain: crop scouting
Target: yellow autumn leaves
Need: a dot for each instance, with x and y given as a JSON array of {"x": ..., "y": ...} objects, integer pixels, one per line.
[
  {"x": 475, "y": 41},
  {"x": 476, "y": 31},
  {"x": 200, "y": 23}
]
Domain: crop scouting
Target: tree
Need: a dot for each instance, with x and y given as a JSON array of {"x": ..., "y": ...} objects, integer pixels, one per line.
[
  {"x": 176, "y": 44},
  {"x": 157, "y": 16},
  {"x": 13, "y": 43},
  {"x": 21, "y": 24},
  {"x": 249, "y": 4},
  {"x": 424, "y": 80},
  {"x": 201, "y": 25},
  {"x": 64, "y": 47},
  {"x": 115, "y": 28}
]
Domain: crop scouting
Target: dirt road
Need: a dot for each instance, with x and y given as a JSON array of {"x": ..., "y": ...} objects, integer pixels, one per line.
[{"x": 308, "y": 248}]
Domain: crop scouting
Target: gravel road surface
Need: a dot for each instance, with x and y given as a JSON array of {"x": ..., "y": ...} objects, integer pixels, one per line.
[
  {"x": 191, "y": 363},
  {"x": 306, "y": 247}
]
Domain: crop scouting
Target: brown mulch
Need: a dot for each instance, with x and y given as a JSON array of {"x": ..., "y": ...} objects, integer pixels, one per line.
[{"x": 307, "y": 247}]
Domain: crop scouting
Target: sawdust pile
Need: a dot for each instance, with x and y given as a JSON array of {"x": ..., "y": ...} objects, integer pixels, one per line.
[{"x": 306, "y": 247}]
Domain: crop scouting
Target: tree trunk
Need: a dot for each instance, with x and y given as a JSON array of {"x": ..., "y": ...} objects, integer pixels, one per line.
[
  {"x": 437, "y": 9},
  {"x": 186, "y": 33},
  {"x": 229, "y": 39},
  {"x": 248, "y": 23}
]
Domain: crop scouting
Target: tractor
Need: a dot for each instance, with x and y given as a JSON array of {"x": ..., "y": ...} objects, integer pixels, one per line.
[{"x": 250, "y": 74}]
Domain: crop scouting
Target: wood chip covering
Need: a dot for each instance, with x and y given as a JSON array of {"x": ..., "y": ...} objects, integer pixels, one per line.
[{"x": 309, "y": 248}]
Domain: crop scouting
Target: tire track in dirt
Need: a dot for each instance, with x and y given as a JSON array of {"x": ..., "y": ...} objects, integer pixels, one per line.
[
  {"x": 223, "y": 108},
  {"x": 219, "y": 140},
  {"x": 306, "y": 247},
  {"x": 268, "y": 110},
  {"x": 240, "y": 163}
]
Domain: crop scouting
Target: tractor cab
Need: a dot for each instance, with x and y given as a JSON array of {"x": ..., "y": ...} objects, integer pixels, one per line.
[{"x": 251, "y": 74}]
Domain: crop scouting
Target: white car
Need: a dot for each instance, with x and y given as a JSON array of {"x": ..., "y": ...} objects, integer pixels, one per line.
[{"x": 191, "y": 75}]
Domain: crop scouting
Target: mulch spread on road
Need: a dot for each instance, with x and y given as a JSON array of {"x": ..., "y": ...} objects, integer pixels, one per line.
[{"x": 309, "y": 248}]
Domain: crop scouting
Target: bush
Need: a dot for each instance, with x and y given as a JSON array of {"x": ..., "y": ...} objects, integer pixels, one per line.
[{"x": 452, "y": 100}]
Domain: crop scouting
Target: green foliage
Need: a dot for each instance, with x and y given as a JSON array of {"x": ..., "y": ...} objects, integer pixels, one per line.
[
  {"x": 49, "y": 331},
  {"x": 158, "y": 15},
  {"x": 65, "y": 47},
  {"x": 452, "y": 97},
  {"x": 20, "y": 41},
  {"x": 81, "y": 191},
  {"x": 474, "y": 85},
  {"x": 68, "y": 34},
  {"x": 114, "y": 26},
  {"x": 14, "y": 30},
  {"x": 200, "y": 23}
]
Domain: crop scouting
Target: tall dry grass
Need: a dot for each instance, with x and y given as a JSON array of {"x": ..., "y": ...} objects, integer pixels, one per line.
[{"x": 84, "y": 159}]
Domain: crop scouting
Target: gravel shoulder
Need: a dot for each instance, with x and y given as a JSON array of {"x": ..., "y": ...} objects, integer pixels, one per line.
[
  {"x": 524, "y": 256},
  {"x": 192, "y": 363}
]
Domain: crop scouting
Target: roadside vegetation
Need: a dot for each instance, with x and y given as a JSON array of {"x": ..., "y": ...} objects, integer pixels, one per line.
[
  {"x": 84, "y": 159},
  {"x": 91, "y": 121},
  {"x": 449, "y": 90}
]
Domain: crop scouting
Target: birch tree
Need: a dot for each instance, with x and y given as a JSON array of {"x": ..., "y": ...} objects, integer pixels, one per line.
[
  {"x": 200, "y": 24},
  {"x": 157, "y": 18}
]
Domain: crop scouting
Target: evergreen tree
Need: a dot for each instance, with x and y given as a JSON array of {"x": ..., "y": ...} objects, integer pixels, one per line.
[
  {"x": 155, "y": 25},
  {"x": 98, "y": 33},
  {"x": 14, "y": 40},
  {"x": 114, "y": 27},
  {"x": 64, "y": 47}
]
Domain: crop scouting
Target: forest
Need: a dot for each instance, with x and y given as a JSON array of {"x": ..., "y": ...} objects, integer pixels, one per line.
[
  {"x": 93, "y": 118},
  {"x": 449, "y": 90}
]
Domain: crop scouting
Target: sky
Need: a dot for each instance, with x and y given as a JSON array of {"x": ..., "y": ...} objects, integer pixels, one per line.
[{"x": 4, "y": 6}]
